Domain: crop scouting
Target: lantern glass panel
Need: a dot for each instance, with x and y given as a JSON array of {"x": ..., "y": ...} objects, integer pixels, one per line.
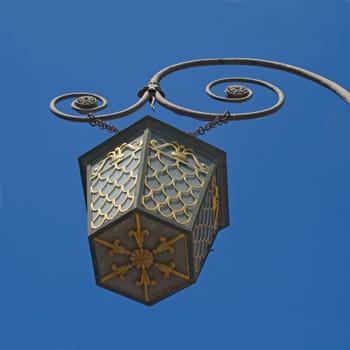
[
  {"x": 175, "y": 177},
  {"x": 113, "y": 182}
]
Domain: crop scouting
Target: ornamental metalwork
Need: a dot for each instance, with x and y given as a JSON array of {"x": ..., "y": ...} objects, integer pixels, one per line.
[
  {"x": 85, "y": 102},
  {"x": 113, "y": 183},
  {"x": 144, "y": 260},
  {"x": 153, "y": 93},
  {"x": 237, "y": 91},
  {"x": 155, "y": 200},
  {"x": 174, "y": 180},
  {"x": 157, "y": 196},
  {"x": 206, "y": 226}
]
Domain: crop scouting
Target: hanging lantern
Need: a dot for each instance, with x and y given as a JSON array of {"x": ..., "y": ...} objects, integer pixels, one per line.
[{"x": 156, "y": 198}]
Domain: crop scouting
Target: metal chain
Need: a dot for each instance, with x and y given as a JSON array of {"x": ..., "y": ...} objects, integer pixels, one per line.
[
  {"x": 101, "y": 124},
  {"x": 212, "y": 124},
  {"x": 201, "y": 130}
]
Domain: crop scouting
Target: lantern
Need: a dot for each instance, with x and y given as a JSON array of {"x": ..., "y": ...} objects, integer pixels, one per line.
[{"x": 156, "y": 198}]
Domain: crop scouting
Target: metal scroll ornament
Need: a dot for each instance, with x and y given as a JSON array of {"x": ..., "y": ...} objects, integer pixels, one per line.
[
  {"x": 157, "y": 196},
  {"x": 237, "y": 92}
]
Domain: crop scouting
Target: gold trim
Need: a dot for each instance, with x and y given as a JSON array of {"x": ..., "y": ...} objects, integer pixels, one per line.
[
  {"x": 115, "y": 247},
  {"x": 113, "y": 183},
  {"x": 179, "y": 155},
  {"x": 174, "y": 180},
  {"x": 143, "y": 259},
  {"x": 169, "y": 270},
  {"x": 138, "y": 233},
  {"x": 119, "y": 271},
  {"x": 179, "y": 150},
  {"x": 145, "y": 281},
  {"x": 167, "y": 245}
]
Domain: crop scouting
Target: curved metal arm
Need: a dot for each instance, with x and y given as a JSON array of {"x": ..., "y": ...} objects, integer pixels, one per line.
[
  {"x": 152, "y": 91},
  {"x": 329, "y": 84},
  {"x": 238, "y": 116},
  {"x": 123, "y": 113}
]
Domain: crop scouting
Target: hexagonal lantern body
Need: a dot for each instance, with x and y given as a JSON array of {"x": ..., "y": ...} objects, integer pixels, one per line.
[{"x": 156, "y": 198}]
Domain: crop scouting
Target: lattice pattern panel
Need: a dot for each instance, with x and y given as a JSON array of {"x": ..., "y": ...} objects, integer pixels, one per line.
[
  {"x": 113, "y": 183},
  {"x": 206, "y": 227},
  {"x": 174, "y": 180}
]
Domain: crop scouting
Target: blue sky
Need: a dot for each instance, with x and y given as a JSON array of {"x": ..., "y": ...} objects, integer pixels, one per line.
[{"x": 279, "y": 275}]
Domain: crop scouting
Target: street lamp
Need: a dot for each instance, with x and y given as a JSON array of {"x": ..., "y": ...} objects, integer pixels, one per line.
[{"x": 156, "y": 196}]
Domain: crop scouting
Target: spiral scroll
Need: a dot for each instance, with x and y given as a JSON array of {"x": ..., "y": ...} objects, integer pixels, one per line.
[{"x": 86, "y": 103}]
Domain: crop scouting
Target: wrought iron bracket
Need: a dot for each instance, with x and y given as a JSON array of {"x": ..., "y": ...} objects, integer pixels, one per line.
[{"x": 87, "y": 103}]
